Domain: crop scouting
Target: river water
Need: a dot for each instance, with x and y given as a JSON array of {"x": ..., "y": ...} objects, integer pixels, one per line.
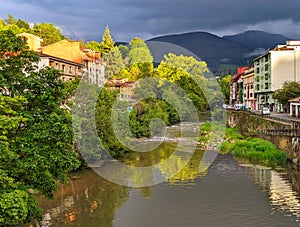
[{"x": 228, "y": 193}]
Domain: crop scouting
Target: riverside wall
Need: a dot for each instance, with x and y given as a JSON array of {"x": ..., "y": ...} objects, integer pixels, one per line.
[{"x": 285, "y": 134}]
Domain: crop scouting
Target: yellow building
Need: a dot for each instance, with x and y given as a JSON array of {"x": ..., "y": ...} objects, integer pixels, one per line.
[{"x": 33, "y": 41}]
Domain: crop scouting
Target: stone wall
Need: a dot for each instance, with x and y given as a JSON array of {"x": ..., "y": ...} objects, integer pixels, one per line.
[{"x": 285, "y": 135}]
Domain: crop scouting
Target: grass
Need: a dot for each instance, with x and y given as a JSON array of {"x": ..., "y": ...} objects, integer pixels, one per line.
[
  {"x": 253, "y": 149},
  {"x": 256, "y": 149}
]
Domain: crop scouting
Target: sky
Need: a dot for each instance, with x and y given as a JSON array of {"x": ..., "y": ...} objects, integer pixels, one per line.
[{"x": 151, "y": 18}]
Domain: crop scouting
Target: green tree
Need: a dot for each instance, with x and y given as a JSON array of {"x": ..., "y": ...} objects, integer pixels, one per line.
[
  {"x": 289, "y": 91},
  {"x": 124, "y": 50},
  {"x": 188, "y": 73},
  {"x": 10, "y": 20},
  {"x": 94, "y": 45},
  {"x": 140, "y": 57},
  {"x": 107, "y": 43},
  {"x": 23, "y": 24},
  {"x": 114, "y": 63},
  {"x": 48, "y": 32},
  {"x": 36, "y": 136},
  {"x": 225, "y": 83},
  {"x": 104, "y": 126}
]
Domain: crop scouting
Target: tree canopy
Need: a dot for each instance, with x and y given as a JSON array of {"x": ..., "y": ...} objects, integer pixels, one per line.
[
  {"x": 224, "y": 84},
  {"x": 36, "y": 136},
  {"x": 107, "y": 43},
  {"x": 289, "y": 91},
  {"x": 48, "y": 32}
]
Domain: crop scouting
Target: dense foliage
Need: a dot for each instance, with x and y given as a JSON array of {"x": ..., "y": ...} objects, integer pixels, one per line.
[
  {"x": 36, "y": 139},
  {"x": 47, "y": 31},
  {"x": 225, "y": 83},
  {"x": 289, "y": 91}
]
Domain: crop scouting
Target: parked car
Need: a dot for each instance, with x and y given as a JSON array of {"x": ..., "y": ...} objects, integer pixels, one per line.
[
  {"x": 265, "y": 111},
  {"x": 238, "y": 106}
]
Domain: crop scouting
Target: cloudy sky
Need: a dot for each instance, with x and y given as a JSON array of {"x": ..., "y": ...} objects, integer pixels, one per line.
[{"x": 149, "y": 18}]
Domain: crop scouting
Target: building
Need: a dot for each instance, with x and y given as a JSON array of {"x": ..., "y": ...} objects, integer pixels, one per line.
[
  {"x": 272, "y": 69},
  {"x": 127, "y": 92},
  {"x": 248, "y": 88},
  {"x": 70, "y": 70},
  {"x": 68, "y": 57},
  {"x": 295, "y": 107},
  {"x": 32, "y": 41},
  {"x": 236, "y": 87},
  {"x": 94, "y": 67}
]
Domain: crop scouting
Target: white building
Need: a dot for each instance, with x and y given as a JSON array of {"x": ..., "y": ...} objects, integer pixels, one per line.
[{"x": 272, "y": 69}]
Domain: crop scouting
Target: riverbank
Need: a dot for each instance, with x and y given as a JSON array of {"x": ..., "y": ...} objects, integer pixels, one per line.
[{"x": 253, "y": 149}]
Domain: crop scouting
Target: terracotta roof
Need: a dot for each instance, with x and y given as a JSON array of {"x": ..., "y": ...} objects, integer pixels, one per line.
[{"x": 295, "y": 100}]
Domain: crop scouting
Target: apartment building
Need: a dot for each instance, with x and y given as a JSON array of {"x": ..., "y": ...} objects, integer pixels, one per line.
[
  {"x": 70, "y": 58},
  {"x": 248, "y": 88},
  {"x": 70, "y": 70},
  {"x": 236, "y": 87},
  {"x": 272, "y": 69},
  {"x": 94, "y": 67}
]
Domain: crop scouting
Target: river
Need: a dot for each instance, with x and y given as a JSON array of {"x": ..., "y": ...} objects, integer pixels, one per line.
[{"x": 229, "y": 193}]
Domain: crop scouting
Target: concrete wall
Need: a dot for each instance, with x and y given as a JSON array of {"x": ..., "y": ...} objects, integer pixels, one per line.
[{"x": 283, "y": 68}]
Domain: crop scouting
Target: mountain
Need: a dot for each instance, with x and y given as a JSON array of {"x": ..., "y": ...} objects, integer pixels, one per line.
[
  {"x": 257, "y": 39},
  {"x": 224, "y": 54}
]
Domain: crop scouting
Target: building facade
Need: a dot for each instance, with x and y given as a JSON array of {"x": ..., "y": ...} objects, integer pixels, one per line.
[
  {"x": 272, "y": 69},
  {"x": 295, "y": 107},
  {"x": 248, "y": 88},
  {"x": 69, "y": 69},
  {"x": 94, "y": 67},
  {"x": 236, "y": 87}
]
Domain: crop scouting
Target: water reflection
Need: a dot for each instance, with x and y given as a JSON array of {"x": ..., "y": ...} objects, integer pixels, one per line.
[
  {"x": 86, "y": 201},
  {"x": 280, "y": 187},
  {"x": 226, "y": 190}
]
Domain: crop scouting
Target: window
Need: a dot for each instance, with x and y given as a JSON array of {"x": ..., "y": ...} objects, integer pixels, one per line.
[
  {"x": 251, "y": 95},
  {"x": 266, "y": 76},
  {"x": 266, "y": 67},
  {"x": 56, "y": 65},
  {"x": 70, "y": 69},
  {"x": 257, "y": 70},
  {"x": 257, "y": 79},
  {"x": 257, "y": 87},
  {"x": 63, "y": 67},
  {"x": 266, "y": 86}
]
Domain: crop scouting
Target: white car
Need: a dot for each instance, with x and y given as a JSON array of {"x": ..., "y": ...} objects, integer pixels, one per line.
[{"x": 265, "y": 111}]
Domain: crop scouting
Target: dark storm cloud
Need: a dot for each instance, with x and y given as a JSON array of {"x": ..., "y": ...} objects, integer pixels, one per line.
[{"x": 129, "y": 18}]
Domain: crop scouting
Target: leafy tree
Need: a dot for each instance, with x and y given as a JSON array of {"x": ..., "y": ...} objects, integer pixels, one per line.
[
  {"x": 224, "y": 83},
  {"x": 114, "y": 63},
  {"x": 94, "y": 45},
  {"x": 104, "y": 126},
  {"x": 124, "y": 50},
  {"x": 48, "y": 32},
  {"x": 36, "y": 137},
  {"x": 23, "y": 24},
  {"x": 188, "y": 73},
  {"x": 10, "y": 20},
  {"x": 140, "y": 57},
  {"x": 107, "y": 43},
  {"x": 1, "y": 23},
  {"x": 289, "y": 91}
]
